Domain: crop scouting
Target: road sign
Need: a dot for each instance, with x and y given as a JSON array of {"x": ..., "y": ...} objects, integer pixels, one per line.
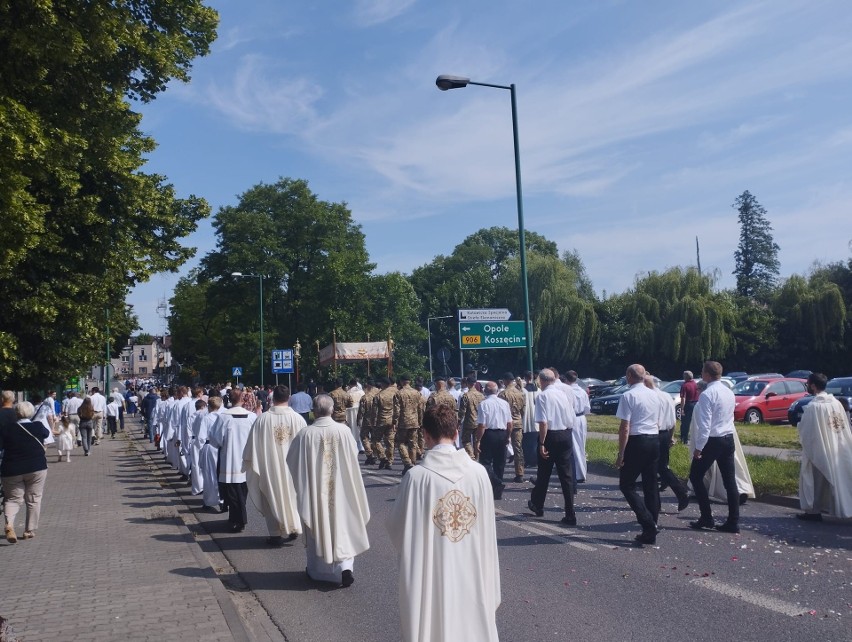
[
  {"x": 282, "y": 361},
  {"x": 493, "y": 314},
  {"x": 236, "y": 371},
  {"x": 492, "y": 334}
]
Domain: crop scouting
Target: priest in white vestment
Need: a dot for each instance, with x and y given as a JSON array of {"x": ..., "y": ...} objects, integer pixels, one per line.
[
  {"x": 208, "y": 456},
  {"x": 179, "y": 413},
  {"x": 270, "y": 484},
  {"x": 187, "y": 414},
  {"x": 331, "y": 498},
  {"x": 165, "y": 426},
  {"x": 443, "y": 526},
  {"x": 825, "y": 478},
  {"x": 582, "y": 407},
  {"x": 230, "y": 434}
]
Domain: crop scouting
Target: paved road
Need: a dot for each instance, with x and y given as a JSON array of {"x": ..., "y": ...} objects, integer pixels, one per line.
[{"x": 780, "y": 579}]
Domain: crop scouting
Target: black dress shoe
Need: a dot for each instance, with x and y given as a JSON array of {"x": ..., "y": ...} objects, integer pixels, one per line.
[
  {"x": 743, "y": 499},
  {"x": 682, "y": 502},
  {"x": 406, "y": 468},
  {"x": 702, "y": 523},
  {"x": 291, "y": 537},
  {"x": 728, "y": 527},
  {"x": 538, "y": 512},
  {"x": 237, "y": 528},
  {"x": 569, "y": 520},
  {"x": 646, "y": 538},
  {"x": 519, "y": 479},
  {"x": 809, "y": 517},
  {"x": 370, "y": 461},
  {"x": 348, "y": 579}
]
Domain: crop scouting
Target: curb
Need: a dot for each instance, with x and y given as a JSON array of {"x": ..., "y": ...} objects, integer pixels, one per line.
[{"x": 235, "y": 603}]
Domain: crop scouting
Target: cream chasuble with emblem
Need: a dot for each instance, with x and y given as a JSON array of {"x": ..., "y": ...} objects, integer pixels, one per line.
[
  {"x": 270, "y": 485},
  {"x": 331, "y": 498},
  {"x": 443, "y": 526},
  {"x": 825, "y": 480}
]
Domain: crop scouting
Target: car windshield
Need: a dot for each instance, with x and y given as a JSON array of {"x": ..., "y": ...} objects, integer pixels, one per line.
[{"x": 749, "y": 388}]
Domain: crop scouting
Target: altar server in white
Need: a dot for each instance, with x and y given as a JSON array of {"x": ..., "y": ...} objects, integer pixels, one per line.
[
  {"x": 443, "y": 526},
  {"x": 582, "y": 408},
  {"x": 332, "y": 502},
  {"x": 230, "y": 434},
  {"x": 270, "y": 484},
  {"x": 825, "y": 479},
  {"x": 208, "y": 456}
]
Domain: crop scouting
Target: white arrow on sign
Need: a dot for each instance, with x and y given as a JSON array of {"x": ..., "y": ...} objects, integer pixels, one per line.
[{"x": 465, "y": 328}]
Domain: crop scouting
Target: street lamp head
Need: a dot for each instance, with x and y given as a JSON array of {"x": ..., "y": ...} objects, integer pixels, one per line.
[
  {"x": 236, "y": 273},
  {"x": 446, "y": 82}
]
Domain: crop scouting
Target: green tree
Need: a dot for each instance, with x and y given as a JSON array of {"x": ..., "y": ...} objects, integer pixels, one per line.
[
  {"x": 81, "y": 224},
  {"x": 756, "y": 263},
  {"x": 674, "y": 319},
  {"x": 314, "y": 264}
]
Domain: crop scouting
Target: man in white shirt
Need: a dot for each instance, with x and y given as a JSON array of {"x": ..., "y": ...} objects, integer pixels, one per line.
[
  {"x": 99, "y": 405},
  {"x": 666, "y": 421},
  {"x": 555, "y": 418},
  {"x": 118, "y": 398},
  {"x": 714, "y": 442},
  {"x": 451, "y": 388},
  {"x": 639, "y": 451},
  {"x": 493, "y": 429},
  {"x": 443, "y": 526},
  {"x": 301, "y": 402},
  {"x": 825, "y": 479}
]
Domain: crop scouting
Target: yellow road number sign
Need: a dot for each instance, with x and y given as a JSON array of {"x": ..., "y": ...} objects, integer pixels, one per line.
[{"x": 472, "y": 340}]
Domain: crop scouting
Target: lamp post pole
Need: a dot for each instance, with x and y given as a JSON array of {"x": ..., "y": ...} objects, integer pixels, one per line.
[
  {"x": 259, "y": 277},
  {"x": 446, "y": 82},
  {"x": 106, "y": 353},
  {"x": 429, "y": 332}
]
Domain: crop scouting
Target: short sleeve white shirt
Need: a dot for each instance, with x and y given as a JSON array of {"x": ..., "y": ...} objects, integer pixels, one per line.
[
  {"x": 494, "y": 413},
  {"x": 640, "y": 407},
  {"x": 552, "y": 406}
]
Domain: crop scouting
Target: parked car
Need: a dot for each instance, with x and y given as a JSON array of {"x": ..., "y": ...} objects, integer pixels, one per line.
[
  {"x": 766, "y": 399},
  {"x": 840, "y": 387},
  {"x": 673, "y": 388},
  {"x": 590, "y": 384},
  {"x": 607, "y": 388},
  {"x": 607, "y": 404},
  {"x": 768, "y": 375},
  {"x": 738, "y": 376}
]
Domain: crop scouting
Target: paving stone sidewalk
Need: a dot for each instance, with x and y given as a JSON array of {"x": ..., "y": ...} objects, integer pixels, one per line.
[{"x": 111, "y": 560}]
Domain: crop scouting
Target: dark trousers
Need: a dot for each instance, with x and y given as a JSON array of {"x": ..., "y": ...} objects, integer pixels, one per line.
[
  {"x": 685, "y": 420},
  {"x": 121, "y": 417},
  {"x": 492, "y": 455},
  {"x": 560, "y": 450},
  {"x": 721, "y": 451},
  {"x": 112, "y": 425},
  {"x": 235, "y": 498},
  {"x": 666, "y": 474},
  {"x": 641, "y": 458}
]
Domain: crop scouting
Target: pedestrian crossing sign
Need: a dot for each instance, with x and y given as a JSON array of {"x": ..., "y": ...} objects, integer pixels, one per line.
[{"x": 236, "y": 371}]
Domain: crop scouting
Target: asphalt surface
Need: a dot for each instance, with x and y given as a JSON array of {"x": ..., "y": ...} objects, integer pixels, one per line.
[{"x": 780, "y": 579}]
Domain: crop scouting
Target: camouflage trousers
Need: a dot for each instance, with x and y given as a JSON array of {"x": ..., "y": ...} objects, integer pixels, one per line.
[
  {"x": 406, "y": 441},
  {"x": 383, "y": 442},
  {"x": 517, "y": 446},
  {"x": 366, "y": 432}
]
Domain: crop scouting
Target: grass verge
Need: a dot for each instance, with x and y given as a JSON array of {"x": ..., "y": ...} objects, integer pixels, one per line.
[
  {"x": 771, "y": 435},
  {"x": 769, "y": 475}
]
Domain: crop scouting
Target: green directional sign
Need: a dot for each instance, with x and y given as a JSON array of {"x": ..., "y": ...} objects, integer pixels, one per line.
[{"x": 484, "y": 335}]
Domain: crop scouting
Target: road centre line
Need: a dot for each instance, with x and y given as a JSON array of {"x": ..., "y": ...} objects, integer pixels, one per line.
[{"x": 763, "y": 601}]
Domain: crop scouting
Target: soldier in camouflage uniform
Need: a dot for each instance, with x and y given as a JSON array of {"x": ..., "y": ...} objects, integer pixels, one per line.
[
  {"x": 468, "y": 406},
  {"x": 517, "y": 403},
  {"x": 384, "y": 434},
  {"x": 441, "y": 396},
  {"x": 340, "y": 398},
  {"x": 408, "y": 417},
  {"x": 367, "y": 420}
]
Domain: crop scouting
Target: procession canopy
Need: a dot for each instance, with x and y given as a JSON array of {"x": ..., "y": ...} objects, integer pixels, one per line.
[{"x": 354, "y": 352}]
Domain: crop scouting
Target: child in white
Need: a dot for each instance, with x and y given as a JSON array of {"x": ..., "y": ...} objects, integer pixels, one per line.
[{"x": 65, "y": 439}]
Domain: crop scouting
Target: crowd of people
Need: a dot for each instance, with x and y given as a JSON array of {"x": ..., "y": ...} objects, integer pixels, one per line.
[{"x": 297, "y": 458}]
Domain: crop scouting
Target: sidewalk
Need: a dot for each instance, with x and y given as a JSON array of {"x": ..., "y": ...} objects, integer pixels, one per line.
[
  {"x": 762, "y": 451},
  {"x": 111, "y": 560}
]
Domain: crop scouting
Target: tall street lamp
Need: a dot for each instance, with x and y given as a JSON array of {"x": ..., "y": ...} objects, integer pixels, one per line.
[
  {"x": 260, "y": 280},
  {"x": 429, "y": 331},
  {"x": 446, "y": 82}
]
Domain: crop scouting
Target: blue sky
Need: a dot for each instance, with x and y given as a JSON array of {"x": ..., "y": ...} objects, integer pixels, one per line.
[{"x": 639, "y": 124}]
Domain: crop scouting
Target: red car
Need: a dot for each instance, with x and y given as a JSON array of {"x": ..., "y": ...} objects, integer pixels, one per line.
[{"x": 766, "y": 399}]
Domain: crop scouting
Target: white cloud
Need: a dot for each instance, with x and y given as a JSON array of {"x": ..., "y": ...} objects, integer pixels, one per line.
[{"x": 372, "y": 12}]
